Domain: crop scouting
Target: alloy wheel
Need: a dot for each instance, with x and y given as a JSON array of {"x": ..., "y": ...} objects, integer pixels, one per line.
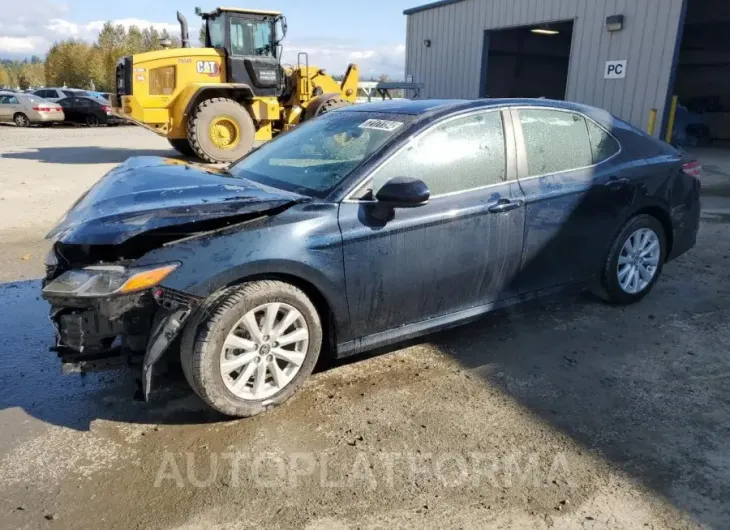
[
  {"x": 21, "y": 120},
  {"x": 264, "y": 351},
  {"x": 638, "y": 261}
]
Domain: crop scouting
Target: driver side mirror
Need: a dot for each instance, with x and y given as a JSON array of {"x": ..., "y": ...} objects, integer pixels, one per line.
[{"x": 403, "y": 192}]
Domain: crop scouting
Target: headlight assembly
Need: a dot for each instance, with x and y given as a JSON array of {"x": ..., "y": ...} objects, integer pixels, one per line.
[{"x": 103, "y": 280}]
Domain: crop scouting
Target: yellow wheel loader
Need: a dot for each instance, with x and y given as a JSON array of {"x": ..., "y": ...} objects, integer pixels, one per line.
[{"x": 215, "y": 102}]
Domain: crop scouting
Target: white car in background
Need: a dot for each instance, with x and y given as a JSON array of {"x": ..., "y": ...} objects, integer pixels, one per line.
[
  {"x": 27, "y": 109},
  {"x": 54, "y": 94}
]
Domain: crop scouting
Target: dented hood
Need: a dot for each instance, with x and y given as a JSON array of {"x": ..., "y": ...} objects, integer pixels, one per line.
[{"x": 148, "y": 193}]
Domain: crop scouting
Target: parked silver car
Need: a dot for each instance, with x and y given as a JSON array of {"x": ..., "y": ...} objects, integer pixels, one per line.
[
  {"x": 54, "y": 94},
  {"x": 26, "y": 109}
]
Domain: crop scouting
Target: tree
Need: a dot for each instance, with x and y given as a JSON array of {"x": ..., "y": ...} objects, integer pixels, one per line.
[
  {"x": 4, "y": 77},
  {"x": 32, "y": 75},
  {"x": 202, "y": 36}
]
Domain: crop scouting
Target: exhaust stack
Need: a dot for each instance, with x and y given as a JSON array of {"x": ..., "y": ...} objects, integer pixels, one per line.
[{"x": 184, "y": 37}]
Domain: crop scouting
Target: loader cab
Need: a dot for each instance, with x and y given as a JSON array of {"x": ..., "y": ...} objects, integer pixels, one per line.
[{"x": 251, "y": 43}]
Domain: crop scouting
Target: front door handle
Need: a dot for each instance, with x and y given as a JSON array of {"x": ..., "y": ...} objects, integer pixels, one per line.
[
  {"x": 615, "y": 183},
  {"x": 504, "y": 205}
]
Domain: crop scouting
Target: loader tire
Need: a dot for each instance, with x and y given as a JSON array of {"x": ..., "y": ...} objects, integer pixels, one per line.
[
  {"x": 323, "y": 104},
  {"x": 182, "y": 146},
  {"x": 220, "y": 130}
]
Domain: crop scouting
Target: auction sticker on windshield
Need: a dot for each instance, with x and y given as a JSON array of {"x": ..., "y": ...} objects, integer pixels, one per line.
[{"x": 380, "y": 125}]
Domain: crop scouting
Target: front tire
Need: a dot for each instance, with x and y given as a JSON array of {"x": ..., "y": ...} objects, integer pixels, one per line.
[
  {"x": 249, "y": 348},
  {"x": 220, "y": 130},
  {"x": 182, "y": 146},
  {"x": 635, "y": 261},
  {"x": 323, "y": 104}
]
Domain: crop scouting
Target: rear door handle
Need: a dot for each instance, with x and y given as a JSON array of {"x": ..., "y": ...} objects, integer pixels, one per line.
[
  {"x": 616, "y": 183},
  {"x": 504, "y": 205}
]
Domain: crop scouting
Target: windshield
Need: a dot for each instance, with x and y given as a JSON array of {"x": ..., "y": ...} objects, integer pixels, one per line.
[
  {"x": 251, "y": 37},
  {"x": 315, "y": 157}
]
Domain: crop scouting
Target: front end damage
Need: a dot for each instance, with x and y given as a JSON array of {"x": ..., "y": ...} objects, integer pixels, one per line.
[
  {"x": 98, "y": 333},
  {"x": 109, "y": 306}
]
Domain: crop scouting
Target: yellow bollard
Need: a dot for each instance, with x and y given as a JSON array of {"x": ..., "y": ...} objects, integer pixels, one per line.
[
  {"x": 652, "y": 122},
  {"x": 672, "y": 117}
]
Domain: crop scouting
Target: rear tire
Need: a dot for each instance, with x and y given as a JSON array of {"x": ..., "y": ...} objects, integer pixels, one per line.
[
  {"x": 642, "y": 232},
  {"x": 182, "y": 146},
  {"x": 220, "y": 130},
  {"x": 92, "y": 121},
  {"x": 206, "y": 346},
  {"x": 21, "y": 120}
]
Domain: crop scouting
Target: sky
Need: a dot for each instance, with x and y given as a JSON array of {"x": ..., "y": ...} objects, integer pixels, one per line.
[{"x": 370, "y": 33}]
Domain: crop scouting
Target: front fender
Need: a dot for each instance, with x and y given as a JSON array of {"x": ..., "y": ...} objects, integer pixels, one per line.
[{"x": 303, "y": 244}]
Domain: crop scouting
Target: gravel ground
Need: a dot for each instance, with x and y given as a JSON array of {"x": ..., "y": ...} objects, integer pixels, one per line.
[{"x": 569, "y": 414}]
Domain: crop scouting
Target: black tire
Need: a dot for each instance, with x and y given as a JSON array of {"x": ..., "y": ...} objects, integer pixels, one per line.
[
  {"x": 613, "y": 292},
  {"x": 21, "y": 120},
  {"x": 205, "y": 334},
  {"x": 323, "y": 104},
  {"x": 182, "y": 146},
  {"x": 92, "y": 121},
  {"x": 199, "y": 124}
]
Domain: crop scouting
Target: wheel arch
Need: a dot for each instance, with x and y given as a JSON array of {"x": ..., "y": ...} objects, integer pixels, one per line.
[
  {"x": 314, "y": 293},
  {"x": 236, "y": 91},
  {"x": 661, "y": 215}
]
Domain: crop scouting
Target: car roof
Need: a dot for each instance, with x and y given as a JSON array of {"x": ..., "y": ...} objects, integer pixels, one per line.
[{"x": 427, "y": 108}]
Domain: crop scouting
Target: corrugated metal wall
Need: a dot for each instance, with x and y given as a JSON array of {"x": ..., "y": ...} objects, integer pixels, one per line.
[{"x": 451, "y": 67}]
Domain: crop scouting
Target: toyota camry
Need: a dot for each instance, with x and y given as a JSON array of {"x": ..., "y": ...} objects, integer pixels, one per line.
[{"x": 370, "y": 225}]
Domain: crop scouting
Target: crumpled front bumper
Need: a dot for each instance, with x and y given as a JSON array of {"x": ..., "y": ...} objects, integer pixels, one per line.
[{"x": 96, "y": 334}]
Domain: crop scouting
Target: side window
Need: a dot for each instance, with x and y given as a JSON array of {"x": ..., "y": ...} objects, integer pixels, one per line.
[
  {"x": 10, "y": 100},
  {"x": 67, "y": 93},
  {"x": 604, "y": 145},
  {"x": 461, "y": 154},
  {"x": 3, "y": 100},
  {"x": 555, "y": 141}
]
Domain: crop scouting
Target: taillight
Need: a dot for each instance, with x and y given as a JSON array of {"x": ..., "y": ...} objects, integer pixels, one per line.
[
  {"x": 106, "y": 108},
  {"x": 42, "y": 109},
  {"x": 693, "y": 169}
]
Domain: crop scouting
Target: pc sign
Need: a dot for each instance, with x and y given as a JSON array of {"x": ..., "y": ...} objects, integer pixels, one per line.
[{"x": 615, "y": 70}]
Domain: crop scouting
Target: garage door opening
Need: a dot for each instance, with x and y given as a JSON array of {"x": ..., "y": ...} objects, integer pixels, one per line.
[
  {"x": 702, "y": 81},
  {"x": 529, "y": 61}
]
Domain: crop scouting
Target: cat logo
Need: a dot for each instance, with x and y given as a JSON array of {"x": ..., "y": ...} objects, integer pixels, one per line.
[{"x": 208, "y": 67}]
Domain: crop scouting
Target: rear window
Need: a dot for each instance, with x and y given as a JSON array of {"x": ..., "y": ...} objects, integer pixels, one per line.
[{"x": 555, "y": 141}]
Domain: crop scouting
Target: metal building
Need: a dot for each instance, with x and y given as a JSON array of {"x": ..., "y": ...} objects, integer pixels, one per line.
[{"x": 620, "y": 55}]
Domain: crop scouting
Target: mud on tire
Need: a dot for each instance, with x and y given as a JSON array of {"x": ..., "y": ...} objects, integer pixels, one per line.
[{"x": 206, "y": 332}]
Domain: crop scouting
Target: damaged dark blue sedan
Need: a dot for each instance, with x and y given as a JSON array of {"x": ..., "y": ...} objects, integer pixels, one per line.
[{"x": 367, "y": 226}]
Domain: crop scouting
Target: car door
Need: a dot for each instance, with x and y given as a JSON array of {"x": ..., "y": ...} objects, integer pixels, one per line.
[
  {"x": 458, "y": 252},
  {"x": 9, "y": 105},
  {"x": 574, "y": 195},
  {"x": 4, "y": 106}
]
